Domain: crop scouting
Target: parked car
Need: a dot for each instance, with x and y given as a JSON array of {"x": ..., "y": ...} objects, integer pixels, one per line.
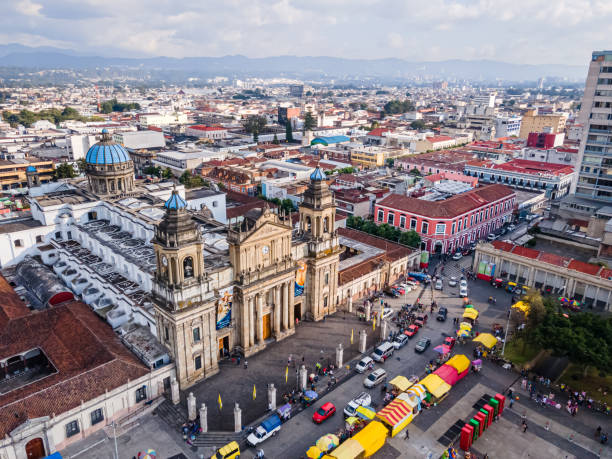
[
  {"x": 442, "y": 313},
  {"x": 452, "y": 282},
  {"x": 422, "y": 344},
  {"x": 411, "y": 330},
  {"x": 457, "y": 256},
  {"x": 438, "y": 285},
  {"x": 463, "y": 283},
  {"x": 387, "y": 312},
  {"x": 511, "y": 227},
  {"x": 229, "y": 451},
  {"x": 375, "y": 378},
  {"x": 325, "y": 412},
  {"x": 362, "y": 399},
  {"x": 449, "y": 341},
  {"x": 491, "y": 237},
  {"x": 421, "y": 320},
  {"x": 463, "y": 292},
  {"x": 365, "y": 364},
  {"x": 399, "y": 289},
  {"x": 383, "y": 352},
  {"x": 265, "y": 430},
  {"x": 400, "y": 341}
]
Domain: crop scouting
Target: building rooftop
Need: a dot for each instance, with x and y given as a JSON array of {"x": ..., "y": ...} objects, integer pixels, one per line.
[{"x": 524, "y": 166}]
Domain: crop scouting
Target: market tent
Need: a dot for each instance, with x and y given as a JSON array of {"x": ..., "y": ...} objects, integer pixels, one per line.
[
  {"x": 465, "y": 326},
  {"x": 396, "y": 415},
  {"x": 435, "y": 385},
  {"x": 442, "y": 349},
  {"x": 470, "y": 313},
  {"x": 327, "y": 442},
  {"x": 365, "y": 412},
  {"x": 522, "y": 306},
  {"x": 412, "y": 400},
  {"x": 372, "y": 437},
  {"x": 486, "y": 339},
  {"x": 418, "y": 390},
  {"x": 469, "y": 306},
  {"x": 459, "y": 362},
  {"x": 462, "y": 333},
  {"x": 448, "y": 374},
  {"x": 349, "y": 449},
  {"x": 401, "y": 383},
  {"x": 314, "y": 452}
]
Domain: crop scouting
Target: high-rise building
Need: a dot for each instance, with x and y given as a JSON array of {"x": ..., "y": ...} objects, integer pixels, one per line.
[{"x": 595, "y": 173}]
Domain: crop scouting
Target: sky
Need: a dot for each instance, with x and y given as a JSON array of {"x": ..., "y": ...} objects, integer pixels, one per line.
[{"x": 518, "y": 31}]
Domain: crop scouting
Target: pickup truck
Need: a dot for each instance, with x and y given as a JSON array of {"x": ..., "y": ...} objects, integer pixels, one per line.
[{"x": 265, "y": 430}]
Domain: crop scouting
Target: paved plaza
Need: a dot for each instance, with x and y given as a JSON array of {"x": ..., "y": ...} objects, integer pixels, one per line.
[{"x": 551, "y": 432}]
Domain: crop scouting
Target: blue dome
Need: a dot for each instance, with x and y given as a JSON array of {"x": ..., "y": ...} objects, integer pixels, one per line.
[
  {"x": 107, "y": 153},
  {"x": 317, "y": 175},
  {"x": 30, "y": 169},
  {"x": 175, "y": 202}
]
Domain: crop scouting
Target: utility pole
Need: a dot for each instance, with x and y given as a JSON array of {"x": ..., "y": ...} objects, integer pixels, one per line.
[
  {"x": 506, "y": 331},
  {"x": 115, "y": 436}
]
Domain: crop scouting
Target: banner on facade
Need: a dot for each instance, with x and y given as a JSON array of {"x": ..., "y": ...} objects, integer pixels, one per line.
[
  {"x": 224, "y": 308},
  {"x": 300, "y": 278},
  {"x": 486, "y": 270},
  {"x": 424, "y": 258}
]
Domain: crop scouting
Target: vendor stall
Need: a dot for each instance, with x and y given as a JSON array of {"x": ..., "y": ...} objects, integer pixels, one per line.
[
  {"x": 396, "y": 415},
  {"x": 400, "y": 383},
  {"x": 470, "y": 313},
  {"x": 327, "y": 442},
  {"x": 314, "y": 453},
  {"x": 372, "y": 437},
  {"x": 350, "y": 449},
  {"x": 436, "y": 386},
  {"x": 448, "y": 374},
  {"x": 521, "y": 306},
  {"x": 486, "y": 339},
  {"x": 365, "y": 412},
  {"x": 459, "y": 362}
]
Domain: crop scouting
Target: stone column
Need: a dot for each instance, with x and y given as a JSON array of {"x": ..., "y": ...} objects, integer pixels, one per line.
[
  {"x": 260, "y": 339},
  {"x": 339, "y": 356},
  {"x": 203, "y": 417},
  {"x": 174, "y": 391},
  {"x": 191, "y": 407},
  {"x": 303, "y": 377},
  {"x": 350, "y": 303},
  {"x": 277, "y": 311},
  {"x": 285, "y": 305},
  {"x": 291, "y": 307},
  {"x": 368, "y": 311},
  {"x": 252, "y": 320},
  {"x": 237, "y": 418},
  {"x": 245, "y": 323},
  {"x": 384, "y": 330},
  {"x": 363, "y": 341},
  {"x": 271, "y": 397}
]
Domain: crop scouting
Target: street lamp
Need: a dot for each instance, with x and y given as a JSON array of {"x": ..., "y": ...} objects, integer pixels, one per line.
[{"x": 506, "y": 332}]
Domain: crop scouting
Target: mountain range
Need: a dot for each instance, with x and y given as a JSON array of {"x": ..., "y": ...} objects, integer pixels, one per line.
[{"x": 311, "y": 67}]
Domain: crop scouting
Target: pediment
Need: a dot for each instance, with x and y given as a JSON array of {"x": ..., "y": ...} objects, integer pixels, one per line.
[
  {"x": 267, "y": 230},
  {"x": 29, "y": 427}
]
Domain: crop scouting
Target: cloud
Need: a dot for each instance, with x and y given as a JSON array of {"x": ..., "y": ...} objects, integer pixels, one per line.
[{"x": 525, "y": 31}]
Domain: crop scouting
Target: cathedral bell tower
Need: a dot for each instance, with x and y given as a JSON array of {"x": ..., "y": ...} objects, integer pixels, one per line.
[
  {"x": 317, "y": 224},
  {"x": 183, "y": 299}
]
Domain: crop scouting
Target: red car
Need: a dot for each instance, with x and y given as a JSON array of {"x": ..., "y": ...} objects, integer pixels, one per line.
[
  {"x": 411, "y": 330},
  {"x": 421, "y": 320},
  {"x": 326, "y": 411},
  {"x": 449, "y": 341}
]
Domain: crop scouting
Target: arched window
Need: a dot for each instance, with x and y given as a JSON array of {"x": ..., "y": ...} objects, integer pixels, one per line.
[
  {"x": 326, "y": 225},
  {"x": 308, "y": 223},
  {"x": 188, "y": 267}
]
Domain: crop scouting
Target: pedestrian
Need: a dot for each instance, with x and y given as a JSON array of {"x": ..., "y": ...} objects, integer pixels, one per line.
[
  {"x": 246, "y": 364},
  {"x": 407, "y": 434},
  {"x": 238, "y": 361},
  {"x": 598, "y": 432},
  {"x": 511, "y": 402},
  {"x": 524, "y": 427}
]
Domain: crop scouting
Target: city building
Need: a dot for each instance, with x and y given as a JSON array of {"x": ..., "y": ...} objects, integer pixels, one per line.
[
  {"x": 207, "y": 132},
  {"x": 596, "y": 116},
  {"x": 555, "y": 179},
  {"x": 140, "y": 139},
  {"x": 287, "y": 114},
  {"x": 508, "y": 126},
  {"x": 78, "y": 144},
  {"x": 452, "y": 161},
  {"x": 545, "y": 140},
  {"x": 438, "y": 142},
  {"x": 587, "y": 283},
  {"x": 64, "y": 375},
  {"x": 549, "y": 123},
  {"x": 14, "y": 172},
  {"x": 157, "y": 119},
  {"x": 450, "y": 221},
  {"x": 296, "y": 90}
]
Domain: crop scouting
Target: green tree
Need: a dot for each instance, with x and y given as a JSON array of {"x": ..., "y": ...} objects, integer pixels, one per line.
[
  {"x": 309, "y": 122},
  {"x": 167, "y": 173},
  {"x": 109, "y": 106},
  {"x": 417, "y": 124},
  {"x": 81, "y": 164},
  {"x": 398, "y": 106},
  {"x": 254, "y": 124},
  {"x": 152, "y": 170},
  {"x": 410, "y": 238},
  {"x": 63, "y": 171},
  {"x": 288, "y": 131},
  {"x": 275, "y": 140}
]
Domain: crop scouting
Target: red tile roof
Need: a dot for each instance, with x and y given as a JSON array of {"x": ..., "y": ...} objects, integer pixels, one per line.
[
  {"x": 525, "y": 166},
  {"x": 554, "y": 259},
  {"x": 392, "y": 250},
  {"x": 525, "y": 252},
  {"x": 439, "y": 138},
  {"x": 378, "y": 132},
  {"x": 201, "y": 127},
  {"x": 583, "y": 267},
  {"x": 501, "y": 245},
  {"x": 87, "y": 354},
  {"x": 456, "y": 205}
]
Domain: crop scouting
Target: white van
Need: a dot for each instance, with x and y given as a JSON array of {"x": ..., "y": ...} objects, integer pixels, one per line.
[{"x": 383, "y": 352}]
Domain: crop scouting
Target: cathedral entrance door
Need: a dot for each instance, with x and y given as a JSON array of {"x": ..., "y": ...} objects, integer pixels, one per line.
[
  {"x": 35, "y": 449},
  {"x": 297, "y": 311},
  {"x": 267, "y": 329}
]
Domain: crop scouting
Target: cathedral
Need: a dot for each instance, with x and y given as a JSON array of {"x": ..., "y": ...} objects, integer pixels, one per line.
[{"x": 278, "y": 275}]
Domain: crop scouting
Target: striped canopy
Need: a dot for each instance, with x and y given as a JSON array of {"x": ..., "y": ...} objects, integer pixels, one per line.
[{"x": 395, "y": 412}]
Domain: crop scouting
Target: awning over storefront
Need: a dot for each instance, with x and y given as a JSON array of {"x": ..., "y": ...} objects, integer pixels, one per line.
[{"x": 395, "y": 412}]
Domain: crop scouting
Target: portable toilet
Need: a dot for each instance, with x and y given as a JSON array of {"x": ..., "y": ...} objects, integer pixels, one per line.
[
  {"x": 482, "y": 421},
  {"x": 474, "y": 423},
  {"x": 495, "y": 404},
  {"x": 467, "y": 433},
  {"x": 502, "y": 402},
  {"x": 489, "y": 409}
]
